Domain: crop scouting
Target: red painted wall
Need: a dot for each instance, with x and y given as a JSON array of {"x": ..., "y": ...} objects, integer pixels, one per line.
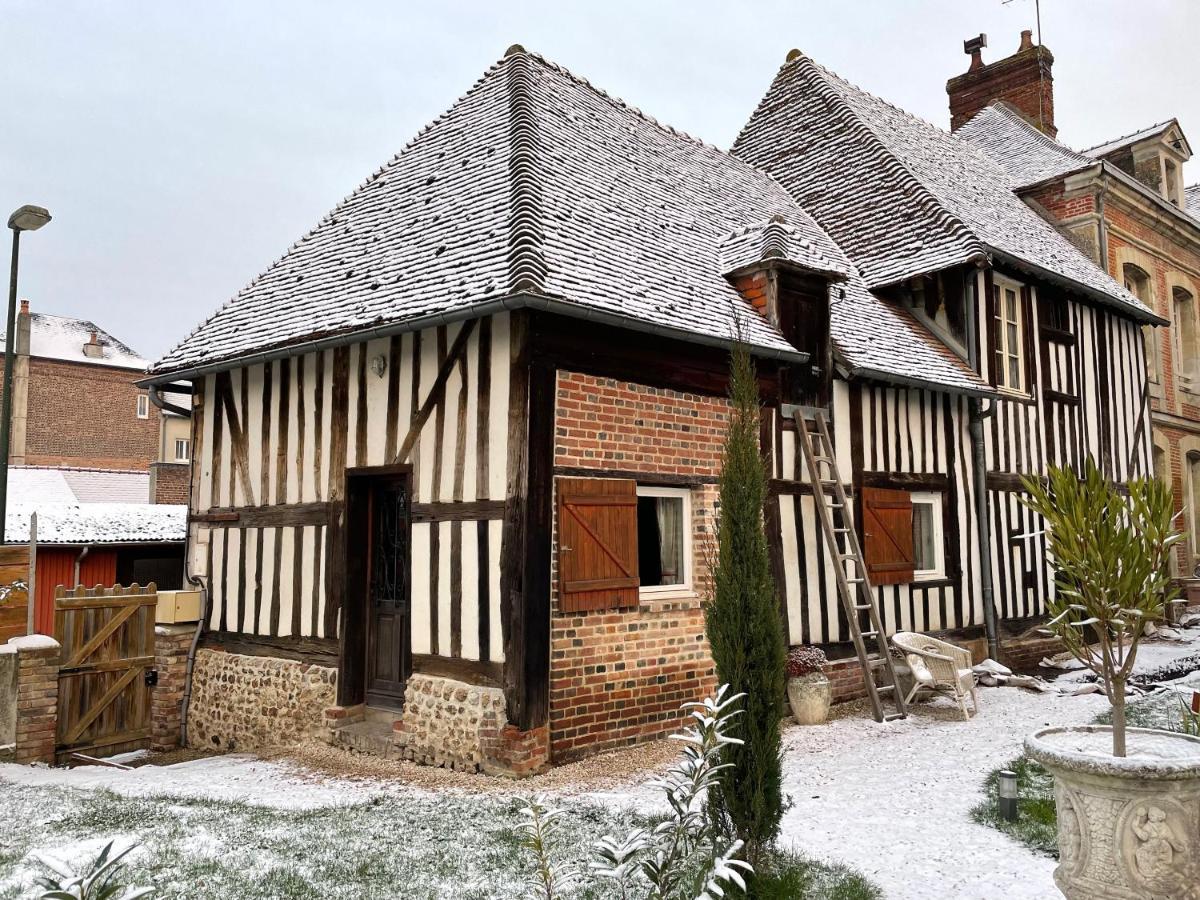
[{"x": 56, "y": 566}]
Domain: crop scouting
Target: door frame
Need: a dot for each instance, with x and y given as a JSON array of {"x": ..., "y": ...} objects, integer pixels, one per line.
[{"x": 356, "y": 632}]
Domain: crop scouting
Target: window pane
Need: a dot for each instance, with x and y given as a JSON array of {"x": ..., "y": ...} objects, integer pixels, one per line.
[
  {"x": 925, "y": 555},
  {"x": 660, "y": 541},
  {"x": 1010, "y": 302},
  {"x": 1014, "y": 372}
]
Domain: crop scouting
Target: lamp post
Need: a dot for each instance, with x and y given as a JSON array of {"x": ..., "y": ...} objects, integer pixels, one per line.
[{"x": 27, "y": 218}]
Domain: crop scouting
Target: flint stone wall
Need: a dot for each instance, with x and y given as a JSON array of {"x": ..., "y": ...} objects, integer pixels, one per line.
[
  {"x": 253, "y": 702},
  {"x": 449, "y": 723}
]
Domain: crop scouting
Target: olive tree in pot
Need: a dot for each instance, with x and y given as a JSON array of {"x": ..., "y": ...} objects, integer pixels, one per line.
[
  {"x": 808, "y": 690},
  {"x": 1128, "y": 798}
]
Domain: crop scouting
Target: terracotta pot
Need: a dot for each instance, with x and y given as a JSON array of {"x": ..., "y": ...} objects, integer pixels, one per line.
[
  {"x": 1128, "y": 828},
  {"x": 809, "y": 697}
]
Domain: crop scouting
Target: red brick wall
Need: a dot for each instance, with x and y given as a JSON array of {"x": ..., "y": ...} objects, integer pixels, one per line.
[
  {"x": 1023, "y": 79},
  {"x": 169, "y": 482},
  {"x": 85, "y": 415},
  {"x": 620, "y": 676}
]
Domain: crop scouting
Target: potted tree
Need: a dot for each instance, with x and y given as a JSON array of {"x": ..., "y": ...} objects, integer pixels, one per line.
[
  {"x": 808, "y": 690},
  {"x": 1128, "y": 799}
]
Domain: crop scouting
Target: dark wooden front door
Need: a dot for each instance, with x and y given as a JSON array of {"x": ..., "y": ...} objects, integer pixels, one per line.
[{"x": 389, "y": 656}]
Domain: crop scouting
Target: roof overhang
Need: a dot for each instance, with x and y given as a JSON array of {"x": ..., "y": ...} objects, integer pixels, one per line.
[{"x": 509, "y": 302}]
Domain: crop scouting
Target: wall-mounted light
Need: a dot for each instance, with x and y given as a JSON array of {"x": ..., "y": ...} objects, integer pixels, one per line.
[
  {"x": 379, "y": 365},
  {"x": 1008, "y": 795}
]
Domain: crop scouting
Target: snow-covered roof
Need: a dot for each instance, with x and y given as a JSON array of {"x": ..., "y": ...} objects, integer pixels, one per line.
[
  {"x": 1128, "y": 140},
  {"x": 63, "y": 338},
  {"x": 535, "y": 184},
  {"x": 71, "y": 485},
  {"x": 901, "y": 196},
  {"x": 1191, "y": 199},
  {"x": 97, "y": 523},
  {"x": 1027, "y": 154}
]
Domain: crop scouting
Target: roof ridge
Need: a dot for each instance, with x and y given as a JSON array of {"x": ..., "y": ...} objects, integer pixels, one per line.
[
  {"x": 891, "y": 162},
  {"x": 526, "y": 260},
  {"x": 1116, "y": 140}
]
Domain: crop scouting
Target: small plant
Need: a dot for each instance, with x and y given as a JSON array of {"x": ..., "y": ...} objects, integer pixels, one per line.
[
  {"x": 1189, "y": 715},
  {"x": 805, "y": 660},
  {"x": 96, "y": 883},
  {"x": 1113, "y": 575},
  {"x": 680, "y": 858}
]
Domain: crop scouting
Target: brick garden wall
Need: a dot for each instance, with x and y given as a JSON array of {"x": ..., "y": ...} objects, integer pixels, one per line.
[{"x": 619, "y": 676}]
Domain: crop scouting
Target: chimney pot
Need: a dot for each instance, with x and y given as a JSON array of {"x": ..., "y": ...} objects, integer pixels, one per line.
[
  {"x": 24, "y": 307},
  {"x": 92, "y": 339},
  {"x": 1026, "y": 40},
  {"x": 975, "y": 46}
]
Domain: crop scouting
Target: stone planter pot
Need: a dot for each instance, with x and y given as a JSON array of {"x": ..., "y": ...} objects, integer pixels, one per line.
[
  {"x": 810, "y": 696},
  {"x": 1128, "y": 829}
]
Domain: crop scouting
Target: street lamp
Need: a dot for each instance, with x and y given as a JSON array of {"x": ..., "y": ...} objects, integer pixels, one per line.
[{"x": 27, "y": 218}]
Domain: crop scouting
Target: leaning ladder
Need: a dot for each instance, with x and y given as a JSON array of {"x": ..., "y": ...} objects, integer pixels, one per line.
[{"x": 854, "y": 587}]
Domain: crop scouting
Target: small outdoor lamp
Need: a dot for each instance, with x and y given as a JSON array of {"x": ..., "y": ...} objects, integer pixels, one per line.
[
  {"x": 1008, "y": 795},
  {"x": 27, "y": 218}
]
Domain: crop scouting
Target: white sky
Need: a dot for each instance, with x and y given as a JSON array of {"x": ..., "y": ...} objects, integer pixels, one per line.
[{"x": 182, "y": 147}]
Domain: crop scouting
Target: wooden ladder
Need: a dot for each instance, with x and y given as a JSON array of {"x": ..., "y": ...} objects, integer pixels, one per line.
[{"x": 854, "y": 587}]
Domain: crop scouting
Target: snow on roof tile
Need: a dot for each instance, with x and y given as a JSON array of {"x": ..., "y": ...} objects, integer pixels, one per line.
[
  {"x": 899, "y": 195},
  {"x": 98, "y": 523},
  {"x": 1191, "y": 199},
  {"x": 533, "y": 182},
  {"x": 45, "y": 485},
  {"x": 777, "y": 239},
  {"x": 1027, "y": 154},
  {"x": 1126, "y": 140},
  {"x": 63, "y": 337}
]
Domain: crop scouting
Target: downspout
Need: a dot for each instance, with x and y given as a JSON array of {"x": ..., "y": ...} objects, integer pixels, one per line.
[
  {"x": 977, "y": 413},
  {"x": 79, "y": 561}
]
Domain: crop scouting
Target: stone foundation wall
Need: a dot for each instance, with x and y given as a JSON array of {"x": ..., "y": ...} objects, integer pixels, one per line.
[
  {"x": 243, "y": 702},
  {"x": 464, "y": 726}
]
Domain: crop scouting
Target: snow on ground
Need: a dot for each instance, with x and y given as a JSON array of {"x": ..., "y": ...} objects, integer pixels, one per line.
[{"x": 238, "y": 778}]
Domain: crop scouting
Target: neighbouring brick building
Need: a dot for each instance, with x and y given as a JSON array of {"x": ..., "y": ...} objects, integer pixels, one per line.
[
  {"x": 1124, "y": 203},
  {"x": 74, "y": 401}
]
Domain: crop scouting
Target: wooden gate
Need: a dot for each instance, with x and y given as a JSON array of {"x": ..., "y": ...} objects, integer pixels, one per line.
[{"x": 107, "y": 637}]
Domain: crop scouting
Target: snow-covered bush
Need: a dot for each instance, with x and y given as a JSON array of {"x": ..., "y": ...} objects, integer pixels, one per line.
[
  {"x": 805, "y": 660},
  {"x": 14, "y": 587},
  {"x": 681, "y": 858},
  {"x": 97, "y": 882}
]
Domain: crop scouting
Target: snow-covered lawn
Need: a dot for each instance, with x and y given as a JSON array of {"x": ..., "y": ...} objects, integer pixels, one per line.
[{"x": 890, "y": 801}]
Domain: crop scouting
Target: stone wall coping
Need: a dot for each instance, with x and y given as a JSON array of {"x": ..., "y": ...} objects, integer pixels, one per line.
[
  {"x": 33, "y": 642},
  {"x": 174, "y": 630}
]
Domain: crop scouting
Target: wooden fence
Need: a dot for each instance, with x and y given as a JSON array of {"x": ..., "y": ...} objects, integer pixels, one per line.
[
  {"x": 14, "y": 609},
  {"x": 107, "y": 669}
]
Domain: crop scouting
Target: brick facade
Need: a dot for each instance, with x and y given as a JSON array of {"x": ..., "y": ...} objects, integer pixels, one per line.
[
  {"x": 1023, "y": 80},
  {"x": 38, "y": 660},
  {"x": 86, "y": 415},
  {"x": 171, "y": 645},
  {"x": 620, "y": 676},
  {"x": 169, "y": 482}
]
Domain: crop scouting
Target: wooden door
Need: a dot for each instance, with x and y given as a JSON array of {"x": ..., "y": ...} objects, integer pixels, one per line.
[
  {"x": 388, "y": 588},
  {"x": 107, "y": 637}
]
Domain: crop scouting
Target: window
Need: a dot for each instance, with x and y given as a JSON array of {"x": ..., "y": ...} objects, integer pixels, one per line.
[
  {"x": 902, "y": 535},
  {"x": 1172, "y": 182},
  {"x": 1183, "y": 314},
  {"x": 1009, "y": 336},
  {"x": 928, "y": 546},
  {"x": 143, "y": 406},
  {"x": 1137, "y": 282},
  {"x": 664, "y": 539},
  {"x": 182, "y": 449}
]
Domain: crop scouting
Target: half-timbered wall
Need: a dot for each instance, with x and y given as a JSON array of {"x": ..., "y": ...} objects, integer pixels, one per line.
[
  {"x": 884, "y": 436},
  {"x": 274, "y": 441}
]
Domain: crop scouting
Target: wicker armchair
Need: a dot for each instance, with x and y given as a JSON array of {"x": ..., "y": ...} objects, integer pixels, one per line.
[{"x": 939, "y": 666}]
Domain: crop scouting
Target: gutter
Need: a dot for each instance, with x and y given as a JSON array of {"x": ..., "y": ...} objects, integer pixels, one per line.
[
  {"x": 157, "y": 399},
  {"x": 940, "y": 387},
  {"x": 521, "y": 300}
]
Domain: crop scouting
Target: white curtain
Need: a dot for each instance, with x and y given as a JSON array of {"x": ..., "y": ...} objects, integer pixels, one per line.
[{"x": 670, "y": 539}]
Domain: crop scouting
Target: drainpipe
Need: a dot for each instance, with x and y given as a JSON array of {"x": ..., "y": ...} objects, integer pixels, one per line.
[
  {"x": 78, "y": 561},
  {"x": 977, "y": 413},
  {"x": 194, "y": 580}
]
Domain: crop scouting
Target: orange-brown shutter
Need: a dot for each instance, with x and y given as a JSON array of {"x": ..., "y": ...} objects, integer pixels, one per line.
[
  {"x": 597, "y": 544},
  {"x": 888, "y": 535}
]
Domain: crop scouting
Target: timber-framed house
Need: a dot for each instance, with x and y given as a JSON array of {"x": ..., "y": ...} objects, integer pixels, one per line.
[{"x": 456, "y": 451}]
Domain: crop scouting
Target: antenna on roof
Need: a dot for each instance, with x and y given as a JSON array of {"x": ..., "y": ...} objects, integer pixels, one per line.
[{"x": 1037, "y": 6}]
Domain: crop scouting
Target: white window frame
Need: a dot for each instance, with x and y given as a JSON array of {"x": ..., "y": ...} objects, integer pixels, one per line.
[
  {"x": 660, "y": 590},
  {"x": 143, "y": 406},
  {"x": 187, "y": 450},
  {"x": 1000, "y": 323},
  {"x": 936, "y": 500}
]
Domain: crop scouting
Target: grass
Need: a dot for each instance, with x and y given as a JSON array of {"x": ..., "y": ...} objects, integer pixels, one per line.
[
  {"x": 1036, "y": 825},
  {"x": 410, "y": 845}
]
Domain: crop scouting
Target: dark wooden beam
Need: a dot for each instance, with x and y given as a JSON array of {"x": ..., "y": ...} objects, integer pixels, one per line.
[
  {"x": 436, "y": 391},
  {"x": 470, "y": 671},
  {"x": 316, "y": 651},
  {"x": 467, "y": 511},
  {"x": 282, "y": 515},
  {"x": 662, "y": 479}
]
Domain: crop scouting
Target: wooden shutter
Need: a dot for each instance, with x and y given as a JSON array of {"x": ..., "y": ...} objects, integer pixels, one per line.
[
  {"x": 888, "y": 535},
  {"x": 597, "y": 544}
]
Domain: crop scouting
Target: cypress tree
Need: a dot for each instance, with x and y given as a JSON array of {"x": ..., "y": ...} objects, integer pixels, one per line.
[{"x": 744, "y": 627}]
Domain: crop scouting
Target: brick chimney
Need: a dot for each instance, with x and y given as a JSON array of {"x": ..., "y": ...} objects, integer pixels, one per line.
[
  {"x": 1023, "y": 80},
  {"x": 93, "y": 347}
]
